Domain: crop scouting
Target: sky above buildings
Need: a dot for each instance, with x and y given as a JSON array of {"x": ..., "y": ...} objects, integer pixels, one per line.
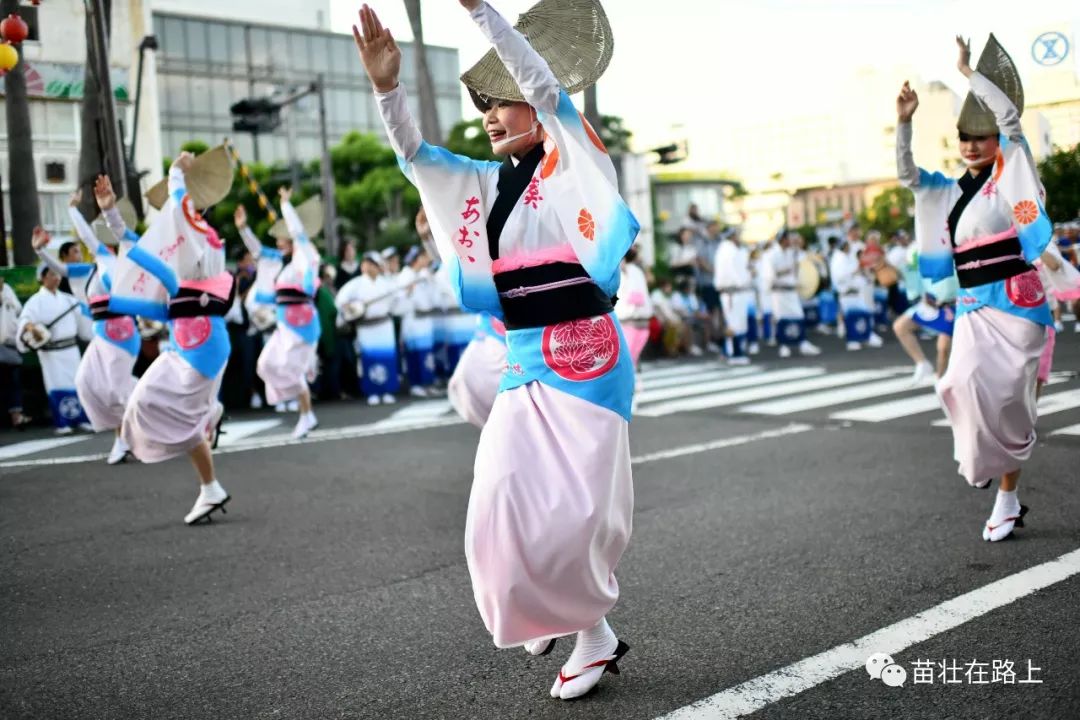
[{"x": 698, "y": 68}]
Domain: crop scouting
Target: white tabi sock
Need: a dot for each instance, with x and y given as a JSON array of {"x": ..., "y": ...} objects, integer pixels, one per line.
[
  {"x": 998, "y": 527},
  {"x": 593, "y": 645}
]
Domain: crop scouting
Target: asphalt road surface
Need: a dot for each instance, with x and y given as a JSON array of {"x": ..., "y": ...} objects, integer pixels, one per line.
[{"x": 791, "y": 520}]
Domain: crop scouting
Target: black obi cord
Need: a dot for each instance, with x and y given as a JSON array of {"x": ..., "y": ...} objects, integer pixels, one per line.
[
  {"x": 291, "y": 296},
  {"x": 99, "y": 310},
  {"x": 970, "y": 185}
]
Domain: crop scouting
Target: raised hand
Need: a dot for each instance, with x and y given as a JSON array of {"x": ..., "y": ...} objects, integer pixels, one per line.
[
  {"x": 40, "y": 239},
  {"x": 76, "y": 198},
  {"x": 906, "y": 103},
  {"x": 284, "y": 193},
  {"x": 470, "y": 5},
  {"x": 103, "y": 193},
  {"x": 184, "y": 161},
  {"x": 963, "y": 63},
  {"x": 378, "y": 51},
  {"x": 240, "y": 217}
]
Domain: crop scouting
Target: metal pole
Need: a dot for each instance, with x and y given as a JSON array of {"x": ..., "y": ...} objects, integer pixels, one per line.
[
  {"x": 329, "y": 204},
  {"x": 138, "y": 102},
  {"x": 294, "y": 166},
  {"x": 3, "y": 226},
  {"x": 113, "y": 140}
]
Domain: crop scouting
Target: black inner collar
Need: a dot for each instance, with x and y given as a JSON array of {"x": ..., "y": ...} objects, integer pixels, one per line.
[
  {"x": 513, "y": 179},
  {"x": 969, "y": 185}
]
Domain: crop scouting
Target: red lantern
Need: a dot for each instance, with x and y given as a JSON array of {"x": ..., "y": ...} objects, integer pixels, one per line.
[
  {"x": 9, "y": 58},
  {"x": 14, "y": 29}
]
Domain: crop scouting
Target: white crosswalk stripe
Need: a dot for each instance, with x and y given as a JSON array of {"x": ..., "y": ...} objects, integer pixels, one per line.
[
  {"x": 650, "y": 395},
  {"x": 1049, "y": 404},
  {"x": 828, "y": 398},
  {"x": 761, "y": 392},
  {"x": 29, "y": 447}
]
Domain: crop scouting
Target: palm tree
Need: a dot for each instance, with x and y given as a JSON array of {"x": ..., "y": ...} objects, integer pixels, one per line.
[
  {"x": 429, "y": 111},
  {"x": 21, "y": 174}
]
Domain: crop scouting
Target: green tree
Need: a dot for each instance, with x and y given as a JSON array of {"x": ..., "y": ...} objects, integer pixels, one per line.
[
  {"x": 1060, "y": 173},
  {"x": 614, "y": 134},
  {"x": 890, "y": 211},
  {"x": 468, "y": 138}
]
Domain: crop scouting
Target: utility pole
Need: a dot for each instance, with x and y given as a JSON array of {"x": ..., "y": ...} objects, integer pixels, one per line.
[{"x": 329, "y": 203}]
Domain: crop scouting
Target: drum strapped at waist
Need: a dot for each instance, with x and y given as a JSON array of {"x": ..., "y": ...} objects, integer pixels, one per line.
[
  {"x": 99, "y": 310},
  {"x": 291, "y": 296},
  {"x": 989, "y": 263},
  {"x": 549, "y": 294},
  {"x": 427, "y": 313},
  {"x": 58, "y": 344},
  {"x": 733, "y": 290}
]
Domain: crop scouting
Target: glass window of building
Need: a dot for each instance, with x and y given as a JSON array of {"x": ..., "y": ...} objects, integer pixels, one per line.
[
  {"x": 196, "y": 41},
  {"x": 237, "y": 48},
  {"x": 300, "y": 53},
  {"x": 260, "y": 48},
  {"x": 218, "y": 44}
]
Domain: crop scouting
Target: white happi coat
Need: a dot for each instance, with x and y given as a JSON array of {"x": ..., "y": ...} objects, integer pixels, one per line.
[
  {"x": 735, "y": 282},
  {"x": 779, "y": 268},
  {"x": 58, "y": 367}
]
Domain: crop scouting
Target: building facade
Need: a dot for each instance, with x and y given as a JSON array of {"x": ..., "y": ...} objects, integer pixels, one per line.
[{"x": 204, "y": 65}]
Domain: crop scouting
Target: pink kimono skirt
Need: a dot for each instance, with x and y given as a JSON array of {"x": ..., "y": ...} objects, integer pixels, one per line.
[
  {"x": 988, "y": 392},
  {"x": 284, "y": 365},
  {"x": 475, "y": 382},
  {"x": 636, "y": 333},
  {"x": 549, "y": 514},
  {"x": 172, "y": 409},
  {"x": 104, "y": 383}
]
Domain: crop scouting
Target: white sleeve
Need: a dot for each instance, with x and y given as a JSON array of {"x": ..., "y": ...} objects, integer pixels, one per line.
[
  {"x": 405, "y": 137},
  {"x": 530, "y": 71},
  {"x": 60, "y": 268},
  {"x": 251, "y": 242},
  {"x": 906, "y": 170}
]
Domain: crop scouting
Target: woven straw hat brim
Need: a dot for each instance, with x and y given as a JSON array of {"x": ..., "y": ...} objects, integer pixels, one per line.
[
  {"x": 311, "y": 217},
  {"x": 996, "y": 65},
  {"x": 573, "y": 36},
  {"x": 208, "y": 181}
]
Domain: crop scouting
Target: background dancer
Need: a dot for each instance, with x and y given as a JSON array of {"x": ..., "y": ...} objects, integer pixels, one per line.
[
  {"x": 538, "y": 242},
  {"x": 366, "y": 301},
  {"x": 174, "y": 408},
  {"x": 779, "y": 267},
  {"x": 288, "y": 361}
]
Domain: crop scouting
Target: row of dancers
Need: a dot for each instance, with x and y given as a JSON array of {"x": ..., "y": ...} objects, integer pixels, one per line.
[{"x": 536, "y": 244}]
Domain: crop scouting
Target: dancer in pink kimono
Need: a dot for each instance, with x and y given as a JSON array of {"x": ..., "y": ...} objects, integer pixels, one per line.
[
  {"x": 990, "y": 225},
  {"x": 475, "y": 382},
  {"x": 177, "y": 273},
  {"x": 288, "y": 361},
  {"x": 536, "y": 241},
  {"x": 104, "y": 381},
  {"x": 633, "y": 307}
]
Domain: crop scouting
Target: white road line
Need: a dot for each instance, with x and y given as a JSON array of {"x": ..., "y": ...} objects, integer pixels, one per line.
[
  {"x": 881, "y": 412},
  {"x": 425, "y": 409},
  {"x": 234, "y": 432},
  {"x": 762, "y": 691},
  {"x": 650, "y": 394},
  {"x": 279, "y": 440},
  {"x": 828, "y": 398},
  {"x": 29, "y": 447},
  {"x": 792, "y": 429},
  {"x": 735, "y": 397},
  {"x": 1048, "y": 405},
  {"x": 1068, "y": 430},
  {"x": 718, "y": 374},
  {"x": 651, "y": 372}
]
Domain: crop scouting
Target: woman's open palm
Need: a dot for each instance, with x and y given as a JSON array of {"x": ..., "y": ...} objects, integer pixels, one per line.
[{"x": 378, "y": 51}]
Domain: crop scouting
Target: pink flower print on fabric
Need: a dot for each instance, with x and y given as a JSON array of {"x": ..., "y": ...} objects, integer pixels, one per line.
[
  {"x": 581, "y": 350},
  {"x": 119, "y": 329},
  {"x": 299, "y": 314},
  {"x": 191, "y": 332},
  {"x": 1026, "y": 289}
]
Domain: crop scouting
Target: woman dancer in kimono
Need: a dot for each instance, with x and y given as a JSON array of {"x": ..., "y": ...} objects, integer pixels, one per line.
[
  {"x": 990, "y": 225},
  {"x": 288, "y": 360},
  {"x": 177, "y": 271},
  {"x": 536, "y": 241},
  {"x": 104, "y": 381}
]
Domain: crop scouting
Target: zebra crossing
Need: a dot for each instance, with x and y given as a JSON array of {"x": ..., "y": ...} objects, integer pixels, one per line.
[{"x": 815, "y": 393}]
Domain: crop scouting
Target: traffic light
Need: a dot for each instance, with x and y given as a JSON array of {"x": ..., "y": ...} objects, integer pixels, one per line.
[
  {"x": 671, "y": 154},
  {"x": 256, "y": 115}
]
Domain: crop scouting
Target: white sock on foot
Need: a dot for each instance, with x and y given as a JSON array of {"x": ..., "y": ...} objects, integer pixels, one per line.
[
  {"x": 998, "y": 527},
  {"x": 593, "y": 645}
]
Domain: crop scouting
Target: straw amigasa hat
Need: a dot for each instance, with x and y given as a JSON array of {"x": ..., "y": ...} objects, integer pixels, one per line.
[
  {"x": 311, "y": 217},
  {"x": 996, "y": 65},
  {"x": 573, "y": 36},
  {"x": 127, "y": 214},
  {"x": 208, "y": 181}
]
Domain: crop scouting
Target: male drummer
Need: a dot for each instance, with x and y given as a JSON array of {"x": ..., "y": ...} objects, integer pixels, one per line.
[
  {"x": 734, "y": 280},
  {"x": 779, "y": 268},
  {"x": 53, "y": 315}
]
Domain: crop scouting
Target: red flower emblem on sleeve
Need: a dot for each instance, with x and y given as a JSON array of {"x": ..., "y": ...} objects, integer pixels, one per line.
[
  {"x": 1025, "y": 212},
  {"x": 586, "y": 225}
]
